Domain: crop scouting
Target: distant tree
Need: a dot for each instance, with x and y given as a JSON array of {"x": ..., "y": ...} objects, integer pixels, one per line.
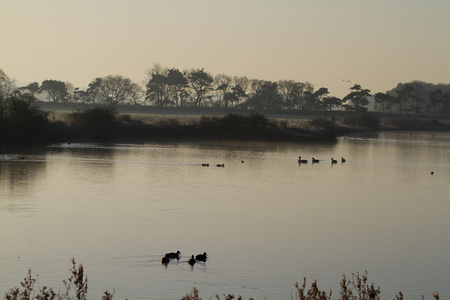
[
  {"x": 358, "y": 98},
  {"x": 158, "y": 90},
  {"x": 200, "y": 83},
  {"x": 33, "y": 88},
  {"x": 116, "y": 89},
  {"x": 93, "y": 90},
  {"x": 240, "y": 88},
  {"x": 223, "y": 85},
  {"x": 331, "y": 102},
  {"x": 136, "y": 93},
  {"x": 177, "y": 84},
  {"x": 318, "y": 97},
  {"x": 265, "y": 96},
  {"x": 80, "y": 95},
  {"x": 291, "y": 92},
  {"x": 419, "y": 98},
  {"x": 7, "y": 85},
  {"x": 56, "y": 90},
  {"x": 439, "y": 102},
  {"x": 385, "y": 100},
  {"x": 70, "y": 88},
  {"x": 157, "y": 86}
]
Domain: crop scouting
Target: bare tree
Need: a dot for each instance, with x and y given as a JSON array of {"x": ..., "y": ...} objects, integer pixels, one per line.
[
  {"x": 116, "y": 89},
  {"x": 7, "y": 85}
]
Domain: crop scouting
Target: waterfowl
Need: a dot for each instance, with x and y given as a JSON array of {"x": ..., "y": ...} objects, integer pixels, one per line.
[
  {"x": 202, "y": 257},
  {"x": 333, "y": 161},
  {"x": 221, "y": 165},
  {"x": 342, "y": 159},
  {"x": 205, "y": 165},
  {"x": 173, "y": 255},
  {"x": 192, "y": 260},
  {"x": 302, "y": 161},
  {"x": 165, "y": 260},
  {"x": 315, "y": 160}
]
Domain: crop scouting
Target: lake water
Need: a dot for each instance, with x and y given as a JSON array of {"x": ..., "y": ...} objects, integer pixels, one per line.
[{"x": 265, "y": 223}]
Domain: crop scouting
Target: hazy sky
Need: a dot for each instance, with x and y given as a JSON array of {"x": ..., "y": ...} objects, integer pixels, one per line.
[{"x": 375, "y": 43}]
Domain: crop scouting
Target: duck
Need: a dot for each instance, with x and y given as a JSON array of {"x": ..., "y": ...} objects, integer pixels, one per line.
[
  {"x": 221, "y": 165},
  {"x": 342, "y": 159},
  {"x": 302, "y": 161},
  {"x": 333, "y": 161},
  {"x": 173, "y": 255},
  {"x": 192, "y": 260},
  {"x": 202, "y": 257},
  {"x": 165, "y": 260},
  {"x": 205, "y": 165},
  {"x": 315, "y": 160}
]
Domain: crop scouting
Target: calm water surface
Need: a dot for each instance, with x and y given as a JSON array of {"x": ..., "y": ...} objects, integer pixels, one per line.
[{"x": 265, "y": 223}]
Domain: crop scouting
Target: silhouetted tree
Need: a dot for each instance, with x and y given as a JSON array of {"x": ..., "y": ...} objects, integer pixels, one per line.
[
  {"x": 56, "y": 90},
  {"x": 33, "y": 88},
  {"x": 201, "y": 84},
  {"x": 385, "y": 100},
  {"x": 265, "y": 97},
  {"x": 93, "y": 90},
  {"x": 7, "y": 85},
  {"x": 158, "y": 90},
  {"x": 291, "y": 92},
  {"x": 116, "y": 89},
  {"x": 177, "y": 84},
  {"x": 330, "y": 102},
  {"x": 358, "y": 98},
  {"x": 223, "y": 85}
]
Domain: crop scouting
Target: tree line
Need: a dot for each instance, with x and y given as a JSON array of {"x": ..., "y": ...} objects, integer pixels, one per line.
[{"x": 170, "y": 87}]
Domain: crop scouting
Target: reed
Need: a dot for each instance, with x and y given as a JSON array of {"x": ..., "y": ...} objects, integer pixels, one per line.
[{"x": 76, "y": 287}]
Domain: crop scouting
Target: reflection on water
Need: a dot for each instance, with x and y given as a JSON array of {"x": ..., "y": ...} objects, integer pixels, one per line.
[{"x": 264, "y": 220}]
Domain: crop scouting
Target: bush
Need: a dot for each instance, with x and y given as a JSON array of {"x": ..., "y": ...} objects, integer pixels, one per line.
[
  {"x": 97, "y": 123},
  {"x": 364, "y": 119},
  {"x": 20, "y": 121}
]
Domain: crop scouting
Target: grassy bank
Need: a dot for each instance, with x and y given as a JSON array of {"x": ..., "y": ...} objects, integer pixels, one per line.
[{"x": 76, "y": 287}]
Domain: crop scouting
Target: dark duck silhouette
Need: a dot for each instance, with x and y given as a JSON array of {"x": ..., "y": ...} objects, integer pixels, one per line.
[
  {"x": 315, "y": 160},
  {"x": 192, "y": 260},
  {"x": 165, "y": 260},
  {"x": 342, "y": 159},
  {"x": 302, "y": 161},
  {"x": 202, "y": 257},
  {"x": 173, "y": 255},
  {"x": 333, "y": 161}
]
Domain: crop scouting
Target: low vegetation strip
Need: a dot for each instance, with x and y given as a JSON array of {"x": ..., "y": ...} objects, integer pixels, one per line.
[
  {"x": 21, "y": 122},
  {"x": 76, "y": 287}
]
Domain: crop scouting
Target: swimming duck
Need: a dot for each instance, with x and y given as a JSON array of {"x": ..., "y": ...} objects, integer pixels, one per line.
[
  {"x": 315, "y": 160},
  {"x": 202, "y": 257},
  {"x": 173, "y": 255},
  {"x": 221, "y": 165},
  {"x": 205, "y": 165},
  {"x": 165, "y": 260},
  {"x": 302, "y": 161},
  {"x": 342, "y": 159},
  {"x": 333, "y": 161},
  {"x": 192, "y": 260}
]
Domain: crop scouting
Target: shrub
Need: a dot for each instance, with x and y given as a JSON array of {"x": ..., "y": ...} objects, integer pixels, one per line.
[
  {"x": 364, "y": 119},
  {"x": 20, "y": 121},
  {"x": 97, "y": 122}
]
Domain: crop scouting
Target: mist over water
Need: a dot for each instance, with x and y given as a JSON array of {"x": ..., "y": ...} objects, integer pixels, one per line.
[{"x": 266, "y": 222}]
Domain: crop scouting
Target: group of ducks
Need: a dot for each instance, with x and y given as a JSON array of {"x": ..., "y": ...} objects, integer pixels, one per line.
[
  {"x": 176, "y": 255},
  {"x": 304, "y": 161}
]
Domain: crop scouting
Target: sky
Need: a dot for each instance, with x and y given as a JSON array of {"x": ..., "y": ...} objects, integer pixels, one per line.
[{"x": 332, "y": 44}]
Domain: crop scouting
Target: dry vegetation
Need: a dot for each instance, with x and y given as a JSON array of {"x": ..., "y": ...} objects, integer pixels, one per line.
[{"x": 76, "y": 287}]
